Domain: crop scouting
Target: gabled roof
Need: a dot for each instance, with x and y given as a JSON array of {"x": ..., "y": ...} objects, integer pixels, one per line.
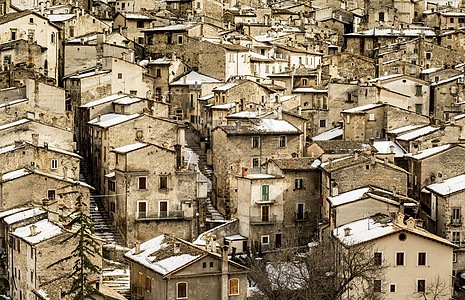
[
  {"x": 25, "y": 172},
  {"x": 370, "y": 192},
  {"x": 23, "y": 215},
  {"x": 429, "y": 152},
  {"x": 261, "y": 126},
  {"x": 44, "y": 231},
  {"x": 340, "y": 146},
  {"x": 448, "y": 186},
  {"x": 109, "y": 120},
  {"x": 384, "y": 147},
  {"x": 16, "y": 15},
  {"x": 158, "y": 255},
  {"x": 417, "y": 133},
  {"x": 362, "y": 109},
  {"x": 352, "y": 160},
  {"x": 294, "y": 164},
  {"x": 193, "y": 77},
  {"x": 103, "y": 100},
  {"x": 329, "y": 135},
  {"x": 136, "y": 146},
  {"x": 26, "y": 143}
]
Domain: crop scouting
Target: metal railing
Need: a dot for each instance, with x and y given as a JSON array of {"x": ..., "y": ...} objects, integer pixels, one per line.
[
  {"x": 172, "y": 214},
  {"x": 263, "y": 220}
]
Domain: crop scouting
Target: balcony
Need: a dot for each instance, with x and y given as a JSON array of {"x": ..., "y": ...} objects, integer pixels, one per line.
[
  {"x": 456, "y": 221},
  {"x": 265, "y": 202},
  {"x": 263, "y": 220},
  {"x": 172, "y": 214},
  {"x": 301, "y": 216}
]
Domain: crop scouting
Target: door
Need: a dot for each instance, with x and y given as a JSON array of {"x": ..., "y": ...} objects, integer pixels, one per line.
[
  {"x": 142, "y": 209},
  {"x": 163, "y": 208},
  {"x": 300, "y": 211},
  {"x": 278, "y": 240},
  {"x": 265, "y": 213},
  {"x": 244, "y": 246}
]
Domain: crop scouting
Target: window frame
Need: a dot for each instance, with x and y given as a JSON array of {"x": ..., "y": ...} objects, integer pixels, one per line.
[
  {"x": 395, "y": 288},
  {"x": 146, "y": 208},
  {"x": 186, "y": 286},
  {"x": 418, "y": 286},
  {"x": 236, "y": 290},
  {"x": 149, "y": 285},
  {"x": 282, "y": 141},
  {"x": 298, "y": 183},
  {"x": 142, "y": 186},
  {"x": 54, "y": 195},
  {"x": 265, "y": 236},
  {"x": 160, "y": 181},
  {"x": 258, "y": 162},
  {"x": 255, "y": 142},
  {"x": 54, "y": 164},
  {"x": 425, "y": 262},
  {"x": 377, "y": 283},
  {"x": 265, "y": 193},
  {"x": 403, "y": 258},
  {"x": 380, "y": 259}
]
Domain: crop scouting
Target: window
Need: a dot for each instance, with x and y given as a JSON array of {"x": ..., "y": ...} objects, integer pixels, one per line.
[
  {"x": 51, "y": 195},
  {"x": 377, "y": 286},
  {"x": 54, "y": 164},
  {"x": 142, "y": 183},
  {"x": 371, "y": 117},
  {"x": 267, "y": 69},
  {"x": 400, "y": 258},
  {"x": 304, "y": 82},
  {"x": 265, "y": 192},
  {"x": 19, "y": 250},
  {"x": 265, "y": 213},
  {"x": 211, "y": 264},
  {"x": 32, "y": 276},
  {"x": 148, "y": 284},
  {"x": 141, "y": 209},
  {"x": 451, "y": 20},
  {"x": 392, "y": 288},
  {"x": 234, "y": 286},
  {"x": 422, "y": 258},
  {"x": 163, "y": 208},
  {"x": 300, "y": 211},
  {"x": 204, "y": 265},
  {"x": 428, "y": 55},
  {"x": 418, "y": 108},
  {"x": 140, "y": 24},
  {"x": 282, "y": 141},
  {"x": 13, "y": 34},
  {"x": 461, "y": 20},
  {"x": 456, "y": 216},
  {"x": 255, "y": 141},
  {"x": 52, "y": 38},
  {"x": 265, "y": 239},
  {"x": 180, "y": 37},
  {"x": 421, "y": 285},
  {"x": 454, "y": 257},
  {"x": 163, "y": 182},
  {"x": 140, "y": 40},
  {"x": 322, "y": 123},
  {"x": 120, "y": 75},
  {"x": 31, "y": 20},
  {"x": 456, "y": 237},
  {"x": 378, "y": 259},
  {"x": 158, "y": 73},
  {"x": 298, "y": 183},
  {"x": 381, "y": 16},
  {"x": 255, "y": 163},
  {"x": 181, "y": 290},
  {"x": 418, "y": 89}
]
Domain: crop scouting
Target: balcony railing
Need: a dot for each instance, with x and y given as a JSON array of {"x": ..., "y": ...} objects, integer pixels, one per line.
[
  {"x": 172, "y": 214},
  {"x": 263, "y": 220},
  {"x": 261, "y": 201},
  {"x": 456, "y": 221}
]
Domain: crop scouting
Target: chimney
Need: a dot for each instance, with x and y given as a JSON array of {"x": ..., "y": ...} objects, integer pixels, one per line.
[
  {"x": 177, "y": 248},
  {"x": 244, "y": 172},
  {"x": 355, "y": 155},
  {"x": 238, "y": 125},
  {"x": 391, "y": 149},
  {"x": 53, "y": 215},
  {"x": 137, "y": 250},
  {"x": 373, "y": 159},
  {"x": 224, "y": 273},
  {"x": 99, "y": 118},
  {"x": 45, "y": 146},
  {"x": 213, "y": 243},
  {"x": 33, "y": 230},
  {"x": 280, "y": 113},
  {"x": 347, "y": 231},
  {"x": 386, "y": 160},
  {"x": 35, "y": 139},
  {"x": 177, "y": 148},
  {"x": 410, "y": 223},
  {"x": 400, "y": 219},
  {"x": 452, "y": 121},
  {"x": 18, "y": 144},
  {"x": 414, "y": 149}
]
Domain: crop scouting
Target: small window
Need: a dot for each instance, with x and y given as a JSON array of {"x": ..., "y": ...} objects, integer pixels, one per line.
[
  {"x": 428, "y": 55},
  {"x": 255, "y": 141},
  {"x": 377, "y": 286},
  {"x": 234, "y": 286},
  {"x": 418, "y": 89},
  {"x": 392, "y": 288},
  {"x": 140, "y": 24},
  {"x": 451, "y": 20},
  {"x": 378, "y": 259},
  {"x": 422, "y": 258},
  {"x": 142, "y": 183},
  {"x": 211, "y": 264},
  {"x": 322, "y": 123},
  {"x": 158, "y": 73},
  {"x": 181, "y": 290},
  {"x": 265, "y": 192},
  {"x": 381, "y": 16},
  {"x": 111, "y": 186},
  {"x": 204, "y": 265},
  {"x": 120, "y": 75},
  {"x": 148, "y": 284},
  {"x": 265, "y": 239},
  {"x": 371, "y": 117},
  {"x": 418, "y": 108},
  {"x": 255, "y": 163},
  {"x": 400, "y": 258},
  {"x": 54, "y": 164},
  {"x": 421, "y": 285},
  {"x": 163, "y": 182},
  {"x": 304, "y": 82},
  {"x": 298, "y": 183},
  {"x": 169, "y": 40},
  {"x": 456, "y": 237},
  {"x": 282, "y": 141},
  {"x": 31, "y": 20},
  {"x": 454, "y": 257},
  {"x": 51, "y": 195},
  {"x": 180, "y": 37}
]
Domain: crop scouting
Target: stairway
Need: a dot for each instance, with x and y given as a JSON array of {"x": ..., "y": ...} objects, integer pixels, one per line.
[
  {"x": 195, "y": 154},
  {"x": 103, "y": 224}
]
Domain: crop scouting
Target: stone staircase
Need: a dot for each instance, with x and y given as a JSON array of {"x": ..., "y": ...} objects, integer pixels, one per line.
[{"x": 103, "y": 224}]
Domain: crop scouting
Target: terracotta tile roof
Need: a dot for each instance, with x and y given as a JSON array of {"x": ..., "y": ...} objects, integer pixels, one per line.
[{"x": 299, "y": 163}]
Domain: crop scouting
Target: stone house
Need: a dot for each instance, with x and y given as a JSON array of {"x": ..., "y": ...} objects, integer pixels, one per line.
[
  {"x": 131, "y": 24},
  {"x": 447, "y": 97},
  {"x": 164, "y": 71},
  {"x": 42, "y": 157},
  {"x": 434, "y": 165},
  {"x": 297, "y": 78},
  {"x": 33, "y": 250},
  {"x": 247, "y": 94},
  {"x": 444, "y": 206},
  {"x": 342, "y": 65},
  {"x": 20, "y": 52},
  {"x": 36, "y": 29},
  {"x": 250, "y": 142},
  {"x": 372, "y": 121},
  {"x": 416, "y": 259},
  {"x": 77, "y": 24},
  {"x": 445, "y": 19},
  {"x": 332, "y": 149},
  {"x": 338, "y": 176},
  {"x": 160, "y": 193},
  {"x": 430, "y": 136},
  {"x": 111, "y": 131},
  {"x": 181, "y": 270}
]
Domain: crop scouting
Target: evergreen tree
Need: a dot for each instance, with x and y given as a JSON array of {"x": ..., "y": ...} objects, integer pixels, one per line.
[{"x": 86, "y": 248}]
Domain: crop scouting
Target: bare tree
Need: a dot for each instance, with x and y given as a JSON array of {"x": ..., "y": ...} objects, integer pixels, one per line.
[
  {"x": 325, "y": 271},
  {"x": 435, "y": 290}
]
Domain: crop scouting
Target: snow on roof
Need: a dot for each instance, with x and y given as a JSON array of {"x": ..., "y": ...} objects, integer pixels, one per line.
[
  {"x": 103, "y": 100},
  {"x": 83, "y": 39},
  {"x": 7, "y": 149},
  {"x": 362, "y": 231},
  {"x": 236, "y": 237},
  {"x": 390, "y": 61},
  {"x": 15, "y": 123},
  {"x": 272, "y": 125},
  {"x": 308, "y": 90},
  {"x": 224, "y": 106},
  {"x": 384, "y": 147},
  {"x": 194, "y": 77},
  {"x": 134, "y": 16},
  {"x": 207, "y": 97},
  {"x": 335, "y": 160},
  {"x": 109, "y": 120},
  {"x": 174, "y": 27},
  {"x": 430, "y": 70},
  {"x": 163, "y": 266},
  {"x": 394, "y": 32},
  {"x": 417, "y": 133},
  {"x": 285, "y": 98},
  {"x": 44, "y": 230},
  {"x": 447, "y": 80},
  {"x": 316, "y": 163},
  {"x": 12, "y": 211},
  {"x": 110, "y": 175},
  {"x": 386, "y": 77},
  {"x": 260, "y": 176},
  {"x": 127, "y": 100},
  {"x": 448, "y": 186},
  {"x": 13, "y": 102},
  {"x": 362, "y": 108},
  {"x": 257, "y": 56},
  {"x": 428, "y": 152},
  {"x": 405, "y": 128},
  {"x": 81, "y": 183},
  {"x": 348, "y": 196},
  {"x": 129, "y": 148},
  {"x": 43, "y": 294},
  {"x": 15, "y": 174},
  {"x": 244, "y": 114},
  {"x": 60, "y": 17},
  {"x": 329, "y": 135},
  {"x": 225, "y": 87},
  {"x": 26, "y": 214}
]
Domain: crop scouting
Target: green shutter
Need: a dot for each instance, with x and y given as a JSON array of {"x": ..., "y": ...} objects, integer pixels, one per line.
[{"x": 265, "y": 193}]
